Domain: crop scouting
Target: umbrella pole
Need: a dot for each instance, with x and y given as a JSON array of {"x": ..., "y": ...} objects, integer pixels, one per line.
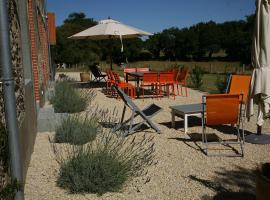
[
  {"x": 111, "y": 49},
  {"x": 259, "y": 130},
  {"x": 111, "y": 60}
]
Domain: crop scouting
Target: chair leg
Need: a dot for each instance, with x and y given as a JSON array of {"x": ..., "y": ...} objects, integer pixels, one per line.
[
  {"x": 205, "y": 141},
  {"x": 132, "y": 92},
  {"x": 123, "y": 114},
  {"x": 159, "y": 90},
  {"x": 173, "y": 91},
  {"x": 131, "y": 124},
  {"x": 186, "y": 90},
  {"x": 240, "y": 140}
]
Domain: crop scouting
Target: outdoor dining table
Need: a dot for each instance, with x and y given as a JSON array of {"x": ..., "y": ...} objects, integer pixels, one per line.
[{"x": 138, "y": 76}]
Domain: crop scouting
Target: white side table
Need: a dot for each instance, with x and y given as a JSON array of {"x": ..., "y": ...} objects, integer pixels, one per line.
[{"x": 185, "y": 111}]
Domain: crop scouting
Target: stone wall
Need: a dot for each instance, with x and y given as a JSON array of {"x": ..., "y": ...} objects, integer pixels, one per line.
[
  {"x": 17, "y": 69},
  {"x": 29, "y": 90}
]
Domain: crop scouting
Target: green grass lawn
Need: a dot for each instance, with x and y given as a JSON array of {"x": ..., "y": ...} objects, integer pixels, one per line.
[{"x": 209, "y": 82}]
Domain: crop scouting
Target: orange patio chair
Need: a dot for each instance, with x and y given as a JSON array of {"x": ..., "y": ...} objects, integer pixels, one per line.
[
  {"x": 150, "y": 80},
  {"x": 221, "y": 109},
  {"x": 110, "y": 81},
  {"x": 181, "y": 79},
  {"x": 166, "y": 79},
  {"x": 239, "y": 84},
  {"x": 129, "y": 88}
]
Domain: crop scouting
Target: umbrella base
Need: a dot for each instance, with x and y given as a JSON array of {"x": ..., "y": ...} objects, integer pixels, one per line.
[{"x": 258, "y": 139}]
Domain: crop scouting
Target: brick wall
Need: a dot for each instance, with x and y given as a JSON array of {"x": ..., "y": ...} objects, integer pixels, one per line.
[
  {"x": 32, "y": 33},
  {"x": 43, "y": 50}
]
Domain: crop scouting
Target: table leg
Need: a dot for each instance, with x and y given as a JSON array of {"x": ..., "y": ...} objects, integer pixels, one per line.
[
  {"x": 138, "y": 87},
  {"x": 185, "y": 123},
  {"x": 126, "y": 78},
  {"x": 173, "y": 119}
]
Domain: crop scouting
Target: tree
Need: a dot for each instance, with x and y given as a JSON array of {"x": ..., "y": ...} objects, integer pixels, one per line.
[
  {"x": 89, "y": 51},
  {"x": 237, "y": 40},
  {"x": 201, "y": 40},
  {"x": 153, "y": 45},
  {"x": 75, "y": 51},
  {"x": 167, "y": 43}
]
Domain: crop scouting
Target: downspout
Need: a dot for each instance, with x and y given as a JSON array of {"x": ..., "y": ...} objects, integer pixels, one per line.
[
  {"x": 10, "y": 100},
  {"x": 51, "y": 66}
]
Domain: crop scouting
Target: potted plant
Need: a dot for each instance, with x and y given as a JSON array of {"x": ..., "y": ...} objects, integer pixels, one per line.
[
  {"x": 263, "y": 182},
  {"x": 85, "y": 76}
]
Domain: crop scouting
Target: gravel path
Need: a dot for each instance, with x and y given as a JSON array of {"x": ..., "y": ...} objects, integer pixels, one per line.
[{"x": 182, "y": 170}]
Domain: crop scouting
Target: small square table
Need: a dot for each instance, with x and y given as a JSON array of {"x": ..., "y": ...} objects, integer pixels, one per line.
[{"x": 185, "y": 111}]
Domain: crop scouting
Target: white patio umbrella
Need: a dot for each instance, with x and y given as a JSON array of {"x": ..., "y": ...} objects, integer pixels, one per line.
[
  {"x": 110, "y": 29},
  {"x": 260, "y": 83}
]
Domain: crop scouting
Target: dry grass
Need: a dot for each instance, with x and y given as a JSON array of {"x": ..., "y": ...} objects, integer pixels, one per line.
[{"x": 211, "y": 67}]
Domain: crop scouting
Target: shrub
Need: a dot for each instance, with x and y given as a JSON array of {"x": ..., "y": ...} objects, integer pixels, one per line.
[
  {"x": 221, "y": 83},
  {"x": 103, "y": 165},
  {"x": 67, "y": 99},
  {"x": 145, "y": 55},
  {"x": 76, "y": 129},
  {"x": 197, "y": 77},
  {"x": 9, "y": 187},
  {"x": 9, "y": 191},
  {"x": 3, "y": 147}
]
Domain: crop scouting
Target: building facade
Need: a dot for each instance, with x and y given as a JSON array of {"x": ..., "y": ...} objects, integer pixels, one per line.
[{"x": 29, "y": 44}]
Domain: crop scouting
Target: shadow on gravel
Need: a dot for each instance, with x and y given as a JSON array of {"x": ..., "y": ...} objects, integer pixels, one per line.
[
  {"x": 194, "y": 139},
  {"x": 112, "y": 125},
  {"x": 91, "y": 84},
  {"x": 226, "y": 129},
  {"x": 237, "y": 184}
]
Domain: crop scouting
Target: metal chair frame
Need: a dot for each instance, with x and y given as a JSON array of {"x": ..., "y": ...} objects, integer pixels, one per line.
[
  {"x": 146, "y": 114},
  {"x": 239, "y": 84}
]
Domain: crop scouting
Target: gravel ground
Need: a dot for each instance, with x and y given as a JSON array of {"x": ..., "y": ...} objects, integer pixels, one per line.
[{"x": 182, "y": 171}]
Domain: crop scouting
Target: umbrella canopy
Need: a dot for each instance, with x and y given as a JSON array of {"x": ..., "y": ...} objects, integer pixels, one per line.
[
  {"x": 109, "y": 28},
  {"x": 260, "y": 84}
]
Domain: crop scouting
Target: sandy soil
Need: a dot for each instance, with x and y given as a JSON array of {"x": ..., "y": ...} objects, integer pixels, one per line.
[{"x": 182, "y": 170}]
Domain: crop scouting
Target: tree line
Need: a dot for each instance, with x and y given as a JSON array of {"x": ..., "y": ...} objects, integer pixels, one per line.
[{"x": 198, "y": 42}]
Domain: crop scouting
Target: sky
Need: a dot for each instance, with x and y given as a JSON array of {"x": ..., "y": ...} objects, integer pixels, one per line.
[{"x": 154, "y": 15}]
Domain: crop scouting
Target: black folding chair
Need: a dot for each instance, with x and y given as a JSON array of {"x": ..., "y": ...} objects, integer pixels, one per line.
[
  {"x": 98, "y": 76},
  {"x": 147, "y": 113}
]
